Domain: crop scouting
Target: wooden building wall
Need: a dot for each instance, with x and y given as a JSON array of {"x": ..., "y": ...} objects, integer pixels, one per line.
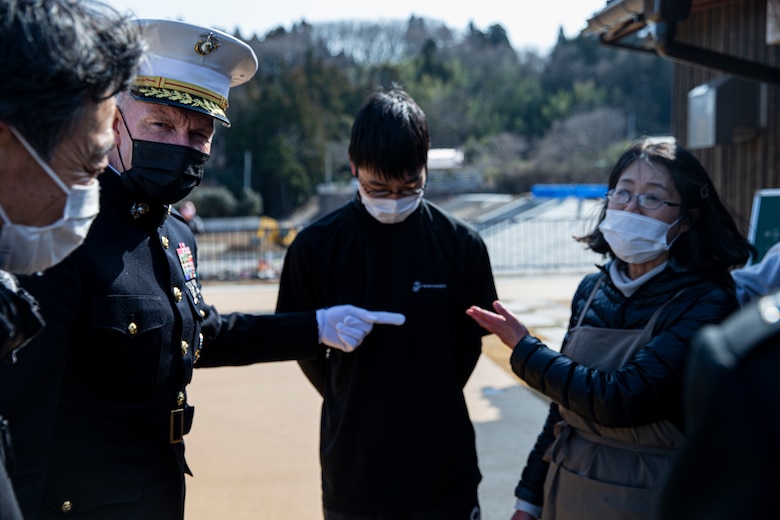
[{"x": 735, "y": 27}]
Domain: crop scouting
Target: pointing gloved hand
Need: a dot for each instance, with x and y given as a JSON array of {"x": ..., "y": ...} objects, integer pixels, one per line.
[{"x": 345, "y": 326}]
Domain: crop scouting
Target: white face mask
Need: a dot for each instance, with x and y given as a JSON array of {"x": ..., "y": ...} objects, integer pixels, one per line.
[
  {"x": 634, "y": 238},
  {"x": 29, "y": 249},
  {"x": 390, "y": 211}
]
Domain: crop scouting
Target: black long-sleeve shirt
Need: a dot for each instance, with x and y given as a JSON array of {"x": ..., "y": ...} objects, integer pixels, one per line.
[{"x": 396, "y": 435}]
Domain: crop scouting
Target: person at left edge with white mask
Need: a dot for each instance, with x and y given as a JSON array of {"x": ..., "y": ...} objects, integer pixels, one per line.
[
  {"x": 56, "y": 114},
  {"x": 126, "y": 320},
  {"x": 617, "y": 383}
]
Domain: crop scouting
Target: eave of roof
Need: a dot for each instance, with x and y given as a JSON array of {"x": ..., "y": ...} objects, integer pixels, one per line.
[{"x": 629, "y": 24}]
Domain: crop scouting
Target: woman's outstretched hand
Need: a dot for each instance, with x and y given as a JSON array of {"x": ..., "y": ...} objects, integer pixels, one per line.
[{"x": 503, "y": 323}]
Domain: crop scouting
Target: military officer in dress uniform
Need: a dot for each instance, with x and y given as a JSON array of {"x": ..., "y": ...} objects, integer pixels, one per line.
[{"x": 101, "y": 403}]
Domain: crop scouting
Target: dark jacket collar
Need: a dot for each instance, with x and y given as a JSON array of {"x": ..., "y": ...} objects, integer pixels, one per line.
[{"x": 114, "y": 195}]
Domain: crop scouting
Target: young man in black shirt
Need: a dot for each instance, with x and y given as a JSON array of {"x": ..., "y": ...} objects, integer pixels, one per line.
[{"x": 396, "y": 437}]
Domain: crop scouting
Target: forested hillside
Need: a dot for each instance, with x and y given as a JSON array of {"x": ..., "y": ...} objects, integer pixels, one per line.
[{"x": 522, "y": 118}]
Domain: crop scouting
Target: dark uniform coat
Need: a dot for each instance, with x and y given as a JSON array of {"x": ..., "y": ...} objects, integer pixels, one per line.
[
  {"x": 729, "y": 467},
  {"x": 20, "y": 321},
  {"x": 99, "y": 407}
]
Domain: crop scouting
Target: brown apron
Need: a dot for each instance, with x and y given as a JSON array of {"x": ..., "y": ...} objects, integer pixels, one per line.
[{"x": 600, "y": 472}]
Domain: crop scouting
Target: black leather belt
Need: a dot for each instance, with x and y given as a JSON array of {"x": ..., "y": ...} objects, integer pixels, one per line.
[{"x": 167, "y": 427}]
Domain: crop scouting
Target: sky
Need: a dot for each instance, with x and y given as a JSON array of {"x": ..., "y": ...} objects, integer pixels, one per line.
[{"x": 529, "y": 24}]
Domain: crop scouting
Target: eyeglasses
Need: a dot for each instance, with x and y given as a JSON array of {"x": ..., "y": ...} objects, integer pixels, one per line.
[
  {"x": 645, "y": 200},
  {"x": 381, "y": 194}
]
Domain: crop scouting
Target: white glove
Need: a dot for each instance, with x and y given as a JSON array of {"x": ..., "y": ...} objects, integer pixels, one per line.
[{"x": 345, "y": 326}]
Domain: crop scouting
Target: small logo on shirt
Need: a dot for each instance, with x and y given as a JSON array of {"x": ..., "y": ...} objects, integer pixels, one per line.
[{"x": 419, "y": 286}]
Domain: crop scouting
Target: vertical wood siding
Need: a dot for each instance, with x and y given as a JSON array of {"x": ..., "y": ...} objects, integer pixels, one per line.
[{"x": 738, "y": 169}]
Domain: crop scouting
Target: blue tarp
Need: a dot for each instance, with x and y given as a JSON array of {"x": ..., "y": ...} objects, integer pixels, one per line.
[{"x": 561, "y": 191}]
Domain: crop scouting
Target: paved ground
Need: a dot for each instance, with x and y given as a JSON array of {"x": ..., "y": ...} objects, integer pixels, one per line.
[{"x": 253, "y": 449}]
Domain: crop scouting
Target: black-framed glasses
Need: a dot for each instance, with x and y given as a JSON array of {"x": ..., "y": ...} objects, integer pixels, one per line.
[
  {"x": 645, "y": 200},
  {"x": 380, "y": 194}
]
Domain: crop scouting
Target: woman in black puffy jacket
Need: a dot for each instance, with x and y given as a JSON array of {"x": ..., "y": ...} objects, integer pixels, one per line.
[{"x": 615, "y": 420}]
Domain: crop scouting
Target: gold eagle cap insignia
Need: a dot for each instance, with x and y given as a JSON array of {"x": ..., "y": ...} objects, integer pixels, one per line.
[{"x": 207, "y": 44}]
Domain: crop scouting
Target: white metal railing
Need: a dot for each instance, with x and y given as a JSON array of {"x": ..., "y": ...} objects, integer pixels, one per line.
[
  {"x": 539, "y": 245},
  {"x": 519, "y": 245}
]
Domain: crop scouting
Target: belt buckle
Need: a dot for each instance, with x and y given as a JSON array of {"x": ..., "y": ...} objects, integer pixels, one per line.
[{"x": 177, "y": 426}]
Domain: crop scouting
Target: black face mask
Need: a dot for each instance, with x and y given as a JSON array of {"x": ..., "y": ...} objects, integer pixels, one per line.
[{"x": 163, "y": 173}]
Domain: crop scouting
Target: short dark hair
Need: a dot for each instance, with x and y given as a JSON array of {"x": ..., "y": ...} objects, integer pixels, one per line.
[
  {"x": 56, "y": 57},
  {"x": 713, "y": 240},
  {"x": 390, "y": 135}
]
